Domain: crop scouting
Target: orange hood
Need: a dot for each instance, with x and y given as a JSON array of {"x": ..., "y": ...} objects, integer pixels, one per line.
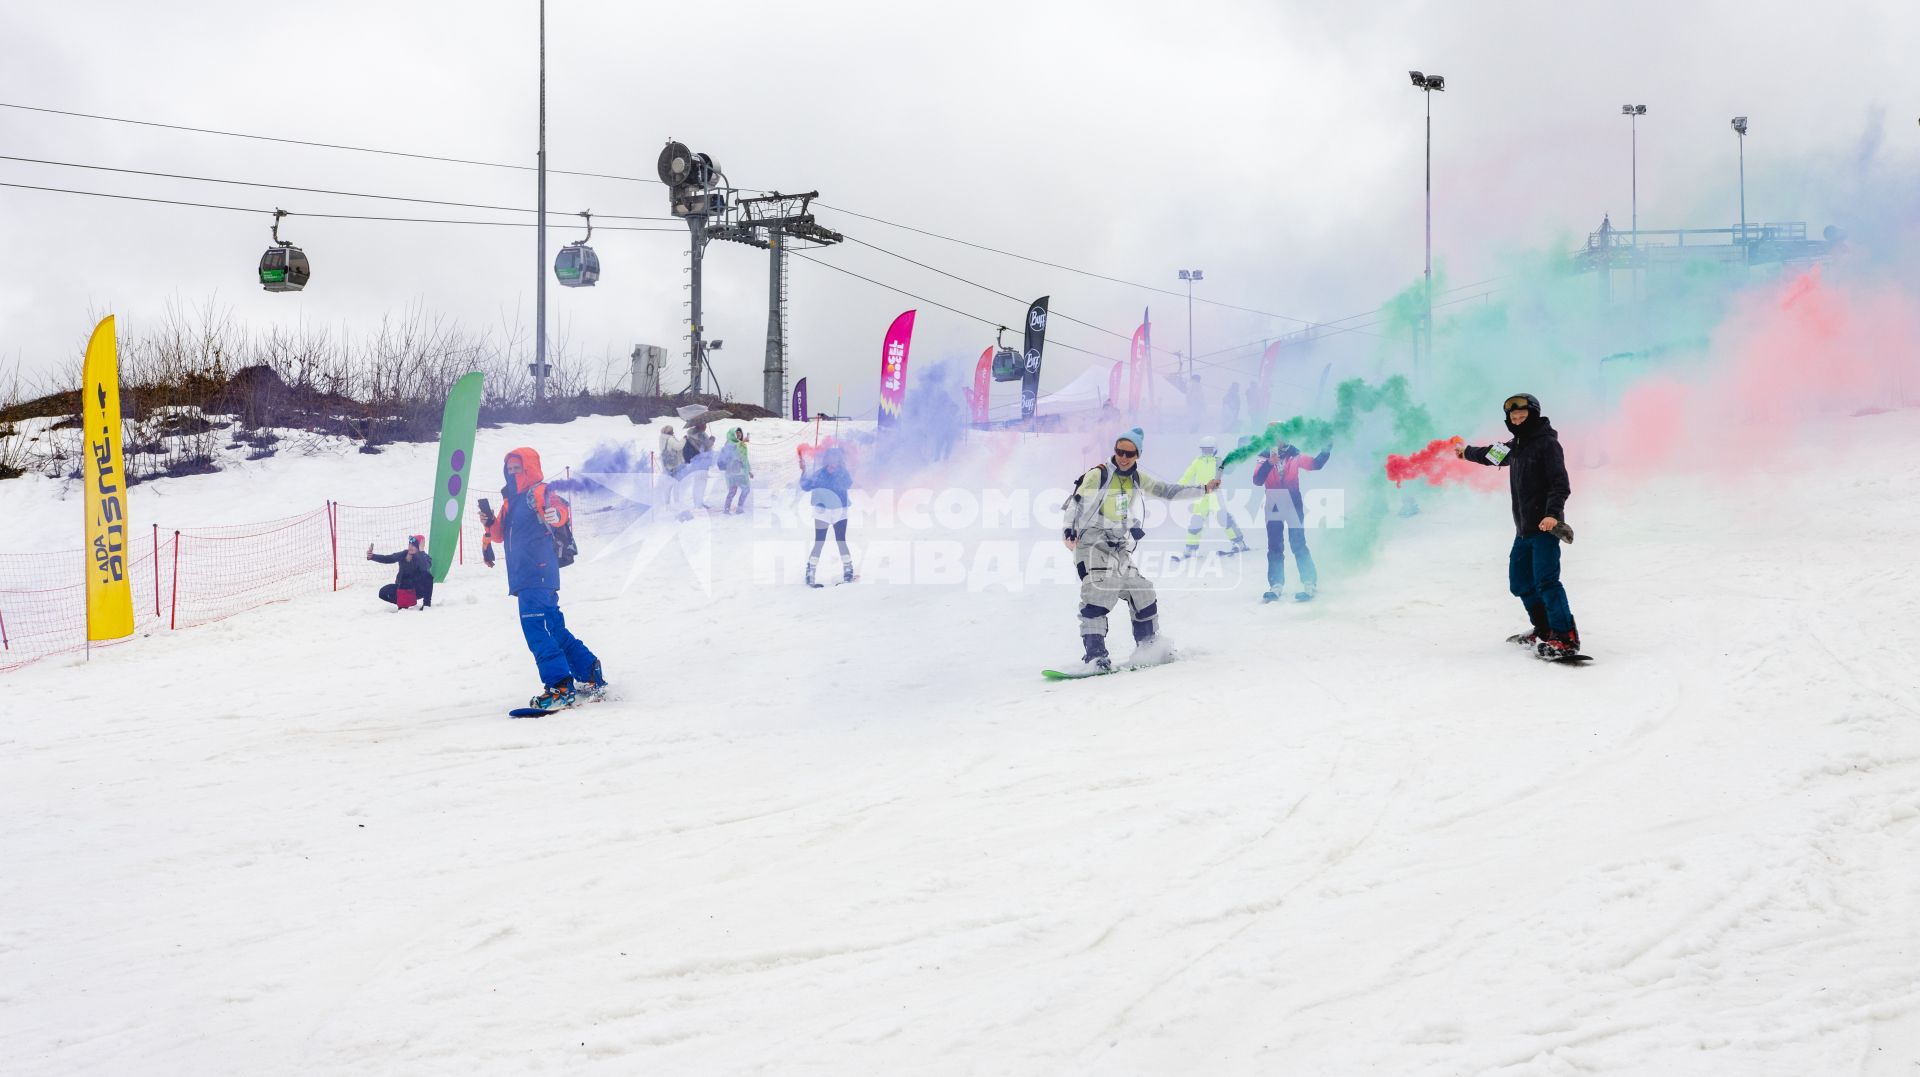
[{"x": 530, "y": 473}]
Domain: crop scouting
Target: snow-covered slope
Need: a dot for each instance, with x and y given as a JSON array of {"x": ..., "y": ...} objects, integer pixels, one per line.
[{"x": 852, "y": 831}]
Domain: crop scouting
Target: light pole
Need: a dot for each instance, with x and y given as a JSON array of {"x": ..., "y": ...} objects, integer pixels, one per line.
[
  {"x": 1740, "y": 128},
  {"x": 1633, "y": 114},
  {"x": 540, "y": 232},
  {"x": 1426, "y": 84},
  {"x": 1190, "y": 275}
]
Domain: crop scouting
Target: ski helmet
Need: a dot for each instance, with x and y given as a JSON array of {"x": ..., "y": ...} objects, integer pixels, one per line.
[
  {"x": 1207, "y": 444},
  {"x": 1521, "y": 400},
  {"x": 417, "y": 540}
]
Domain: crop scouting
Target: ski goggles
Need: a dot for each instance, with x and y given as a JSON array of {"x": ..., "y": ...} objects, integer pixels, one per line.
[{"x": 1514, "y": 402}]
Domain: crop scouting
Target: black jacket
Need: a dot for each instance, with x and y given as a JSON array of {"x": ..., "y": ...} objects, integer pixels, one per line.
[
  {"x": 1536, "y": 474},
  {"x": 416, "y": 573}
]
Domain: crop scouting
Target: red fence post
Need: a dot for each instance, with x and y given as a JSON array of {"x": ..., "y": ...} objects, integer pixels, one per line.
[
  {"x": 333, "y": 540},
  {"x": 156, "y": 570},
  {"x": 173, "y": 617}
]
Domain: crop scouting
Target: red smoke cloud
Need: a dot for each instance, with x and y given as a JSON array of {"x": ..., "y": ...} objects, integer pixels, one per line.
[{"x": 1437, "y": 464}]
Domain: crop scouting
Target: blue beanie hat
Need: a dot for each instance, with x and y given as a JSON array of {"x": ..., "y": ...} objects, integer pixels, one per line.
[{"x": 1137, "y": 436}]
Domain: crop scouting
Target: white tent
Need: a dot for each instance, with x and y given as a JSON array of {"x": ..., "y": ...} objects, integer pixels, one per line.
[{"x": 1084, "y": 393}]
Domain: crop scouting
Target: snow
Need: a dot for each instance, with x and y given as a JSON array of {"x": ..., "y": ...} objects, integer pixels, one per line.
[{"x": 852, "y": 831}]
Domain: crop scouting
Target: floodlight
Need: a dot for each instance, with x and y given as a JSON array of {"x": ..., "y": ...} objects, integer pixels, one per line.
[{"x": 1740, "y": 124}]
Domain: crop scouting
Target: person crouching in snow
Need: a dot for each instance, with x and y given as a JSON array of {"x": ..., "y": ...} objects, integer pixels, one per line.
[
  {"x": 1205, "y": 468},
  {"x": 415, "y": 578},
  {"x": 1537, "y": 480},
  {"x": 1102, "y": 526},
  {"x": 828, "y": 483},
  {"x": 739, "y": 471},
  {"x": 529, "y": 513}
]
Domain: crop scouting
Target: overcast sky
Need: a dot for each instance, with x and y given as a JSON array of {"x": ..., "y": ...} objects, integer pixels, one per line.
[{"x": 1277, "y": 146}]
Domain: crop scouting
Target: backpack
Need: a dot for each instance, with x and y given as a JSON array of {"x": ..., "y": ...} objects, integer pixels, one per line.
[{"x": 565, "y": 549}]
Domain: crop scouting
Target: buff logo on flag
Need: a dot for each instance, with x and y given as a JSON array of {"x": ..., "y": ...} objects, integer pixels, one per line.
[
  {"x": 1036, "y": 342},
  {"x": 109, "y": 591},
  {"x": 459, "y": 423},
  {"x": 893, "y": 369},
  {"x": 800, "y": 401}
]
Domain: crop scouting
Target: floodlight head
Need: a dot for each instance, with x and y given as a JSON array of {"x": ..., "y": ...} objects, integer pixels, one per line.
[
  {"x": 714, "y": 345},
  {"x": 1436, "y": 82},
  {"x": 1184, "y": 275},
  {"x": 1419, "y": 80},
  {"x": 1639, "y": 110},
  {"x": 1740, "y": 124},
  {"x": 1197, "y": 275}
]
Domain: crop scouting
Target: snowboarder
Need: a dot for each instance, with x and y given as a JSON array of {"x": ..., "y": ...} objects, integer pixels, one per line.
[
  {"x": 739, "y": 472},
  {"x": 1101, "y": 529},
  {"x": 414, "y": 581},
  {"x": 1537, "y": 480},
  {"x": 529, "y": 513},
  {"x": 1279, "y": 473},
  {"x": 1204, "y": 469},
  {"x": 828, "y": 482}
]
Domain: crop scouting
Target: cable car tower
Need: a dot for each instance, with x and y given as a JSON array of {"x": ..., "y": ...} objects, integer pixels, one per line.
[{"x": 699, "y": 192}]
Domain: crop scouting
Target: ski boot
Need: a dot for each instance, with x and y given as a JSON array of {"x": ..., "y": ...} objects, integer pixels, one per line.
[
  {"x": 1555, "y": 646},
  {"x": 1097, "y": 659},
  {"x": 557, "y": 696},
  {"x": 846, "y": 573},
  {"x": 1239, "y": 547},
  {"x": 593, "y": 687},
  {"x": 811, "y": 582}
]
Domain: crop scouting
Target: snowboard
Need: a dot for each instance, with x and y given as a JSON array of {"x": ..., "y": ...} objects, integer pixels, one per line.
[
  {"x": 1127, "y": 667},
  {"x": 1570, "y": 660},
  {"x": 580, "y": 699}
]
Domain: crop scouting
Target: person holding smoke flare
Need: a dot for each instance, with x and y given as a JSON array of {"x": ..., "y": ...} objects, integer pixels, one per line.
[
  {"x": 828, "y": 483},
  {"x": 1205, "y": 468},
  {"x": 1102, "y": 526},
  {"x": 1279, "y": 474},
  {"x": 1537, "y": 480}
]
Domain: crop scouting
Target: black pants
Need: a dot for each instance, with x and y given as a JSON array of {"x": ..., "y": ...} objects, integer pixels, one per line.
[
  {"x": 390, "y": 595},
  {"x": 820, "y": 539}
]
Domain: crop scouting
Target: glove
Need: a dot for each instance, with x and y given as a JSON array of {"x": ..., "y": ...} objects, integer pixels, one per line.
[
  {"x": 1138, "y": 533},
  {"x": 552, "y": 516}
]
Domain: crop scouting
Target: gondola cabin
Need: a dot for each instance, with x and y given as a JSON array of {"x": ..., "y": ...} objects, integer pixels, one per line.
[
  {"x": 577, "y": 266},
  {"x": 284, "y": 268}
]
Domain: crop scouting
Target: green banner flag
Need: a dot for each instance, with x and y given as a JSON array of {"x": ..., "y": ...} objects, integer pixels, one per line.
[{"x": 450, "y": 481}]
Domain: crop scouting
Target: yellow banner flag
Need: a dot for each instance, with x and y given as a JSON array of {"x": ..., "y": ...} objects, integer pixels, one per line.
[{"x": 109, "y": 588}]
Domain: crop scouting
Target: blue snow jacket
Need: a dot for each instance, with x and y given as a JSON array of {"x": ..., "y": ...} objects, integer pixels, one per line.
[{"x": 532, "y": 562}]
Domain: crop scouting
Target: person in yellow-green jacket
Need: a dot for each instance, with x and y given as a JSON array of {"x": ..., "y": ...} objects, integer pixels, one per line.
[
  {"x": 1102, "y": 525},
  {"x": 1204, "y": 469}
]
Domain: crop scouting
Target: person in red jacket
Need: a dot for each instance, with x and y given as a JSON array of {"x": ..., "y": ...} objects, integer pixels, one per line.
[{"x": 1279, "y": 472}]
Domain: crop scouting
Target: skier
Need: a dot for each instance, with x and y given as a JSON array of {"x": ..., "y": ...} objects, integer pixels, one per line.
[
  {"x": 528, "y": 515},
  {"x": 672, "y": 456},
  {"x": 1537, "y": 480},
  {"x": 698, "y": 451},
  {"x": 1279, "y": 473},
  {"x": 828, "y": 482},
  {"x": 1101, "y": 528},
  {"x": 739, "y": 472},
  {"x": 415, "y": 577},
  {"x": 1205, "y": 468}
]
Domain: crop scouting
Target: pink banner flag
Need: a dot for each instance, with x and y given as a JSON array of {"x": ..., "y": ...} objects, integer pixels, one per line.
[
  {"x": 893, "y": 369},
  {"x": 982, "y": 384},
  {"x": 1137, "y": 369}
]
